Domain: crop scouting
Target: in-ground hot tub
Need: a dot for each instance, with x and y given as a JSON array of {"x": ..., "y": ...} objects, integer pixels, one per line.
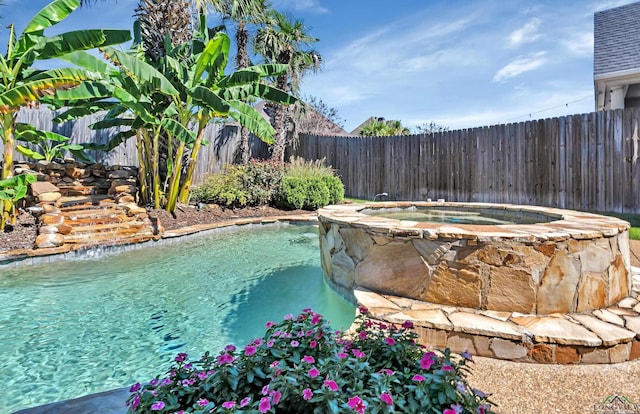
[{"x": 526, "y": 259}]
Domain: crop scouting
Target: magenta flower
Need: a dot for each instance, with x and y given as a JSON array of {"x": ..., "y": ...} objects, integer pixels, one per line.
[
  {"x": 341, "y": 355},
  {"x": 307, "y": 394},
  {"x": 295, "y": 344},
  {"x": 228, "y": 404},
  {"x": 265, "y": 390},
  {"x": 407, "y": 324},
  {"x": 264, "y": 405},
  {"x": 202, "y": 402},
  {"x": 418, "y": 378},
  {"x": 312, "y": 344},
  {"x": 230, "y": 348},
  {"x": 390, "y": 341},
  {"x": 387, "y": 371},
  {"x": 386, "y": 398},
  {"x": 449, "y": 411},
  {"x": 274, "y": 364},
  {"x": 181, "y": 357},
  {"x": 288, "y": 317},
  {"x": 313, "y": 372},
  {"x": 153, "y": 382},
  {"x": 357, "y": 404},
  {"x": 245, "y": 401},
  {"x": 224, "y": 359},
  {"x": 276, "y": 395},
  {"x": 269, "y": 325},
  {"x": 363, "y": 310},
  {"x": 358, "y": 353},
  {"x": 270, "y": 343},
  {"x": 136, "y": 402},
  {"x": 202, "y": 375},
  {"x": 363, "y": 334},
  {"x": 447, "y": 368},
  {"x": 308, "y": 359},
  {"x": 135, "y": 387},
  {"x": 316, "y": 318},
  {"x": 331, "y": 384},
  {"x": 427, "y": 360},
  {"x": 249, "y": 350},
  {"x": 165, "y": 381},
  {"x": 157, "y": 406}
]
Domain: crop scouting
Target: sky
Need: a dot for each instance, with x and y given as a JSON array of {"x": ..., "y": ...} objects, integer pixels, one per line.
[{"x": 458, "y": 63}]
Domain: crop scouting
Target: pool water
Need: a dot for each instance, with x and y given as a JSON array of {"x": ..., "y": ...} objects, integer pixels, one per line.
[
  {"x": 459, "y": 215},
  {"x": 78, "y": 327}
]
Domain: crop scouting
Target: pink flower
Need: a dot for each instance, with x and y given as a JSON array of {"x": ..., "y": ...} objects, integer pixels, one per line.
[
  {"x": 136, "y": 402},
  {"x": 245, "y": 401},
  {"x": 332, "y": 385},
  {"x": 418, "y": 378},
  {"x": 447, "y": 368},
  {"x": 307, "y": 394},
  {"x": 230, "y": 348},
  {"x": 449, "y": 411},
  {"x": 265, "y": 390},
  {"x": 249, "y": 350},
  {"x": 269, "y": 324},
  {"x": 407, "y": 324},
  {"x": 288, "y": 317},
  {"x": 308, "y": 359},
  {"x": 386, "y": 398},
  {"x": 313, "y": 372},
  {"x": 157, "y": 406},
  {"x": 295, "y": 344},
  {"x": 312, "y": 344},
  {"x": 341, "y": 355},
  {"x": 356, "y": 404},
  {"x": 135, "y": 387},
  {"x": 181, "y": 357},
  {"x": 427, "y": 360},
  {"x": 316, "y": 318},
  {"x": 224, "y": 359},
  {"x": 276, "y": 395},
  {"x": 386, "y": 371},
  {"x": 390, "y": 341},
  {"x": 203, "y": 402},
  {"x": 264, "y": 405},
  {"x": 228, "y": 404},
  {"x": 358, "y": 353},
  {"x": 363, "y": 310},
  {"x": 274, "y": 364},
  {"x": 363, "y": 334}
]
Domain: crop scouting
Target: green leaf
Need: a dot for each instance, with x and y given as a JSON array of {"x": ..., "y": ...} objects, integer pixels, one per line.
[
  {"x": 28, "y": 152},
  {"x": 88, "y": 61},
  {"x": 178, "y": 130},
  {"x": 32, "y": 91},
  {"x": 86, "y": 90},
  {"x": 51, "y": 14},
  {"x": 210, "y": 99},
  {"x": 111, "y": 123},
  {"x": 251, "y": 119},
  {"x": 141, "y": 71},
  {"x": 83, "y": 110},
  {"x": 252, "y": 74},
  {"x": 209, "y": 60},
  {"x": 273, "y": 94},
  {"x": 69, "y": 42}
]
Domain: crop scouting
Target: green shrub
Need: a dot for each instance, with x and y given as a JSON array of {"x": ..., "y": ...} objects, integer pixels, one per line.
[
  {"x": 224, "y": 188},
  {"x": 308, "y": 185},
  {"x": 252, "y": 184},
  {"x": 261, "y": 180}
]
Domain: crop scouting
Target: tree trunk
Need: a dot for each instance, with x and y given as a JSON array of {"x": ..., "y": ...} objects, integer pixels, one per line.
[
  {"x": 278, "y": 124},
  {"x": 242, "y": 61}
]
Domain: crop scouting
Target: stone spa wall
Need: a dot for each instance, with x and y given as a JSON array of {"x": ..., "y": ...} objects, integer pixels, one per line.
[{"x": 578, "y": 262}]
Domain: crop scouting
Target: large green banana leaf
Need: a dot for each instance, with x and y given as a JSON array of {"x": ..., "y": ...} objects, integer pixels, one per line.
[
  {"x": 213, "y": 59},
  {"x": 251, "y": 119},
  {"x": 62, "y": 44},
  {"x": 252, "y": 74}
]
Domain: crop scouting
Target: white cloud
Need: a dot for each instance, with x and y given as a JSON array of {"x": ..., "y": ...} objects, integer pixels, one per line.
[
  {"x": 313, "y": 6},
  {"x": 520, "y": 65},
  {"x": 579, "y": 44},
  {"x": 526, "y": 34}
]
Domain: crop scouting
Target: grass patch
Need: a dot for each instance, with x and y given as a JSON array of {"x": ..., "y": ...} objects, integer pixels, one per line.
[{"x": 634, "y": 233}]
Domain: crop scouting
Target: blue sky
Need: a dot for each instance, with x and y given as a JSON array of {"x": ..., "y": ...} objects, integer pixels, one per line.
[{"x": 459, "y": 63}]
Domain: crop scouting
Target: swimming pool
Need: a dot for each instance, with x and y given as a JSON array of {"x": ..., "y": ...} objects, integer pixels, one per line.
[{"x": 78, "y": 327}]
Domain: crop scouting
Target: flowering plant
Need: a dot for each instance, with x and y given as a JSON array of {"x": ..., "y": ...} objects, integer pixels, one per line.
[{"x": 302, "y": 365}]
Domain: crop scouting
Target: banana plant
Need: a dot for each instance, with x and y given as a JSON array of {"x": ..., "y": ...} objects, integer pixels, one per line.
[
  {"x": 178, "y": 97},
  {"x": 21, "y": 85},
  {"x": 49, "y": 145},
  {"x": 12, "y": 190}
]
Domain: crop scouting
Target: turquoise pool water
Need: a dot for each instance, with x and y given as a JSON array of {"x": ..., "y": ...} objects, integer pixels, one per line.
[{"x": 84, "y": 326}]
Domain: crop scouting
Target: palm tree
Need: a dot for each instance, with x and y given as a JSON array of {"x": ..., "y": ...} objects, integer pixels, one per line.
[
  {"x": 161, "y": 18},
  {"x": 242, "y": 13},
  {"x": 288, "y": 42}
]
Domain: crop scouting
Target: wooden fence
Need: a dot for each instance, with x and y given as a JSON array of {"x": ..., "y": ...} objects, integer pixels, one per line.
[
  {"x": 224, "y": 140},
  {"x": 584, "y": 162}
]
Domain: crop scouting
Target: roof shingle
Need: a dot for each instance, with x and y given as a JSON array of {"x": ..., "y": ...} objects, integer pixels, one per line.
[{"x": 616, "y": 39}]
